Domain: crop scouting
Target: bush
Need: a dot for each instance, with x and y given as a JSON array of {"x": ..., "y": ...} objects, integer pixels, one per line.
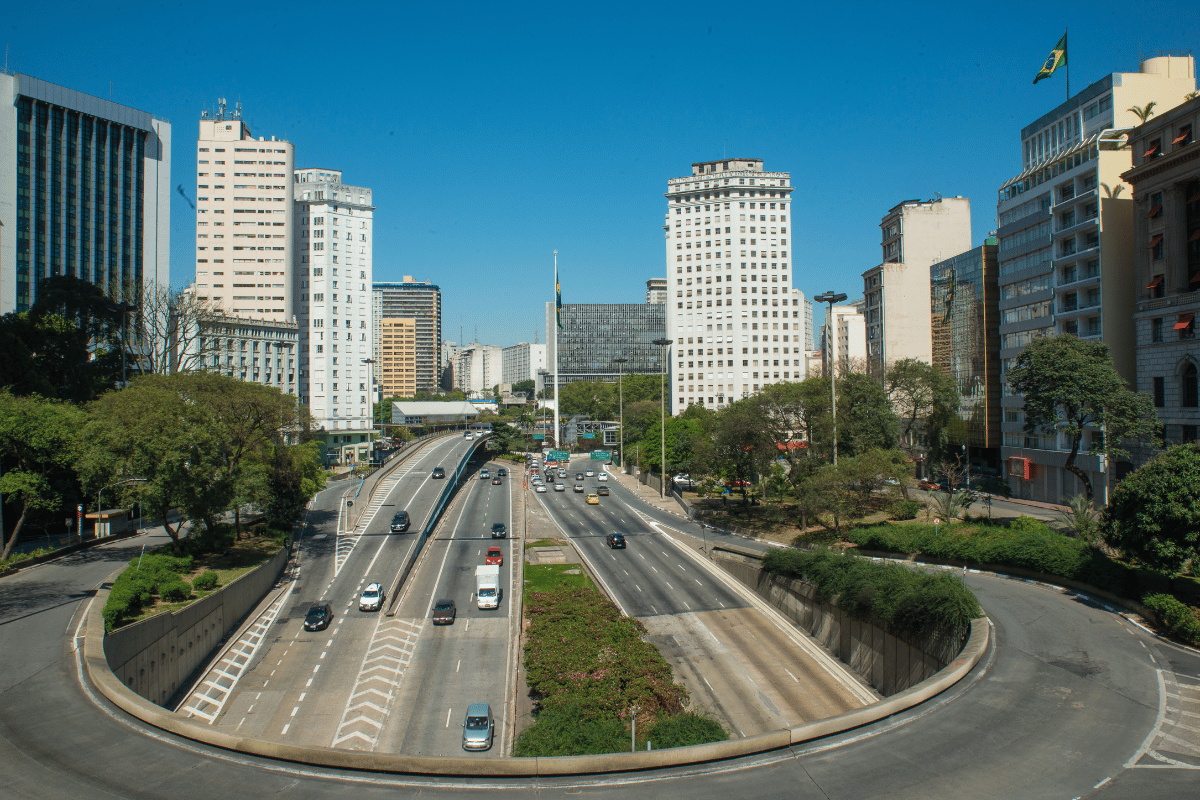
[
  {"x": 135, "y": 587},
  {"x": 206, "y": 580},
  {"x": 562, "y": 730},
  {"x": 175, "y": 591},
  {"x": 905, "y": 509},
  {"x": 684, "y": 729},
  {"x": 1173, "y": 615}
]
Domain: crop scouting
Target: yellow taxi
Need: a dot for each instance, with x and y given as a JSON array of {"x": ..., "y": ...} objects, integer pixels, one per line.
[{"x": 593, "y": 499}]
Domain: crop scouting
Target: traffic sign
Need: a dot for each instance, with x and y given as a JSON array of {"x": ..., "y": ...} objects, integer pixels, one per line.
[
  {"x": 559, "y": 455},
  {"x": 600, "y": 455},
  {"x": 591, "y": 435},
  {"x": 539, "y": 436}
]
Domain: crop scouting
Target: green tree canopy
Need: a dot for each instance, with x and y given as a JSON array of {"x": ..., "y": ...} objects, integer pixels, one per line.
[
  {"x": 920, "y": 391},
  {"x": 1069, "y": 385},
  {"x": 865, "y": 420},
  {"x": 1154, "y": 514}
]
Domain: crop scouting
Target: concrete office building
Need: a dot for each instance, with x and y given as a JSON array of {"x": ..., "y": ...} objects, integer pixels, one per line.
[
  {"x": 845, "y": 340},
  {"x": 478, "y": 368},
  {"x": 255, "y": 350},
  {"x": 593, "y": 334},
  {"x": 521, "y": 362},
  {"x": 730, "y": 309},
  {"x": 334, "y": 269},
  {"x": 656, "y": 290},
  {"x": 243, "y": 219},
  {"x": 916, "y": 235},
  {"x": 422, "y": 302},
  {"x": 1066, "y": 258},
  {"x": 1166, "y": 261},
  {"x": 85, "y": 191},
  {"x": 449, "y": 351}
]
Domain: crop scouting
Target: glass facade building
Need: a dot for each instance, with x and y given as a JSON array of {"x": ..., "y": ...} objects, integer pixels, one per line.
[
  {"x": 966, "y": 343},
  {"x": 593, "y": 334}
]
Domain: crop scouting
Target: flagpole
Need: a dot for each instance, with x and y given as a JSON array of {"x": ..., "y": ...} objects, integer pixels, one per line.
[
  {"x": 1067, "y": 59},
  {"x": 557, "y": 429}
]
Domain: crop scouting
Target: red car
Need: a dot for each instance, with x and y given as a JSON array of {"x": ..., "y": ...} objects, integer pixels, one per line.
[
  {"x": 494, "y": 556},
  {"x": 737, "y": 484},
  {"x": 928, "y": 486}
]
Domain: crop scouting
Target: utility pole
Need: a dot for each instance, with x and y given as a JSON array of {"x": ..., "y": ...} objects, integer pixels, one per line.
[{"x": 831, "y": 298}]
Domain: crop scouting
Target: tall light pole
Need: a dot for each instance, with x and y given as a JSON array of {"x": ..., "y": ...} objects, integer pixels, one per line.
[
  {"x": 620, "y": 362},
  {"x": 831, "y": 298},
  {"x": 662, "y": 396},
  {"x": 370, "y": 362},
  {"x": 124, "y": 309}
]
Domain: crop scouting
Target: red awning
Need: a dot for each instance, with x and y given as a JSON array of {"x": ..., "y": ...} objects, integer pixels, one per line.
[
  {"x": 1154, "y": 242},
  {"x": 1195, "y": 236},
  {"x": 1152, "y": 151},
  {"x": 1185, "y": 321},
  {"x": 1195, "y": 278},
  {"x": 1153, "y": 212},
  {"x": 1184, "y": 133},
  {"x": 1157, "y": 280}
]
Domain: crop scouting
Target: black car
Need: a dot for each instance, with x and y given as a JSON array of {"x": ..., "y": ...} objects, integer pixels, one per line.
[
  {"x": 602, "y": 491},
  {"x": 400, "y": 522},
  {"x": 318, "y": 617},
  {"x": 438, "y": 472},
  {"x": 502, "y": 472},
  {"x": 578, "y": 476},
  {"x": 444, "y": 612},
  {"x": 496, "y": 481},
  {"x": 615, "y": 540},
  {"x": 498, "y": 531}
]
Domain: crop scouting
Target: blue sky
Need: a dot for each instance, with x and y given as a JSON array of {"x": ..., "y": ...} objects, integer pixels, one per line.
[{"x": 493, "y": 134}]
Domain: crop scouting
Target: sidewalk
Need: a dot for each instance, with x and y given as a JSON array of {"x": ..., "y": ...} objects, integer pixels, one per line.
[{"x": 644, "y": 493}]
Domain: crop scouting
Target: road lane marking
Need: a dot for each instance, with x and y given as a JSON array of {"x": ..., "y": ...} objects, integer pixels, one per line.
[
  {"x": 793, "y": 677},
  {"x": 449, "y": 711},
  {"x": 285, "y": 729}
]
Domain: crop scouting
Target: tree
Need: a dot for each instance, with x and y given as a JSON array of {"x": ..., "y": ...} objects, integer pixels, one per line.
[
  {"x": 38, "y": 447},
  {"x": 920, "y": 391},
  {"x": 865, "y": 419},
  {"x": 174, "y": 329},
  {"x": 742, "y": 447},
  {"x": 1143, "y": 113},
  {"x": 1070, "y": 385},
  {"x": 793, "y": 413},
  {"x": 1154, "y": 513},
  {"x": 595, "y": 400},
  {"x": 294, "y": 477}
]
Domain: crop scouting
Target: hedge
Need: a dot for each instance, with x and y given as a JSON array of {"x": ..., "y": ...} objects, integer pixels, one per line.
[
  {"x": 1025, "y": 543},
  {"x": 206, "y": 580},
  {"x": 137, "y": 585},
  {"x": 904, "y": 600},
  {"x": 905, "y": 509},
  {"x": 1173, "y": 615}
]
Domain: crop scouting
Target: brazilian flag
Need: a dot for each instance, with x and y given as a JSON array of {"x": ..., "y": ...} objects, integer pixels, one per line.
[
  {"x": 1056, "y": 59},
  {"x": 557, "y": 299}
]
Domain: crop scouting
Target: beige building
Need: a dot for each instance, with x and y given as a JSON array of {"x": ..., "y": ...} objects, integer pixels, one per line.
[
  {"x": 254, "y": 350},
  {"x": 1067, "y": 241},
  {"x": 845, "y": 335},
  {"x": 916, "y": 235},
  {"x": 243, "y": 219},
  {"x": 1166, "y": 265},
  {"x": 398, "y": 357}
]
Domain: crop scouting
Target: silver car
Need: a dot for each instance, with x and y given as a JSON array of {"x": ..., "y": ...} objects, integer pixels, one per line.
[{"x": 478, "y": 728}]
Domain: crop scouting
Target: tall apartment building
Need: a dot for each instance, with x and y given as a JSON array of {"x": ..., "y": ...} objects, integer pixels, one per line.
[
  {"x": 396, "y": 366},
  {"x": 916, "y": 235},
  {"x": 478, "y": 368},
  {"x": 730, "y": 303},
  {"x": 86, "y": 191},
  {"x": 1066, "y": 257},
  {"x": 422, "y": 302},
  {"x": 845, "y": 340},
  {"x": 521, "y": 362},
  {"x": 243, "y": 219},
  {"x": 594, "y": 334},
  {"x": 1166, "y": 262},
  {"x": 449, "y": 350},
  {"x": 656, "y": 290}
]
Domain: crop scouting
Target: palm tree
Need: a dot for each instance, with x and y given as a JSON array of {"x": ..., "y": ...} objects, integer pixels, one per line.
[{"x": 1144, "y": 112}]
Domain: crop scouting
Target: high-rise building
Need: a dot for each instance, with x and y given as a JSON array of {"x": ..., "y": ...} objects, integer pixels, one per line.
[
  {"x": 396, "y": 366},
  {"x": 243, "y": 219},
  {"x": 333, "y": 267},
  {"x": 1166, "y": 257},
  {"x": 1066, "y": 256},
  {"x": 730, "y": 309},
  {"x": 522, "y": 362},
  {"x": 478, "y": 368},
  {"x": 449, "y": 351},
  {"x": 253, "y": 350},
  {"x": 916, "y": 235},
  {"x": 845, "y": 340},
  {"x": 593, "y": 334},
  {"x": 656, "y": 290},
  {"x": 422, "y": 302},
  {"x": 85, "y": 192}
]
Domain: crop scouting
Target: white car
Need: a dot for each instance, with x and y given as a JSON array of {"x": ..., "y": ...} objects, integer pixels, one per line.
[
  {"x": 558, "y": 487},
  {"x": 540, "y": 488},
  {"x": 372, "y": 598},
  {"x": 603, "y": 476},
  {"x": 591, "y": 473}
]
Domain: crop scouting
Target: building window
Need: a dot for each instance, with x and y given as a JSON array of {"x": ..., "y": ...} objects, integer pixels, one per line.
[
  {"x": 1156, "y": 329},
  {"x": 1191, "y": 388},
  {"x": 1189, "y": 434},
  {"x": 1156, "y": 247},
  {"x": 1156, "y": 200},
  {"x": 1184, "y": 137},
  {"x": 1154, "y": 150},
  {"x": 1186, "y": 326},
  {"x": 1156, "y": 285},
  {"x": 1160, "y": 392}
]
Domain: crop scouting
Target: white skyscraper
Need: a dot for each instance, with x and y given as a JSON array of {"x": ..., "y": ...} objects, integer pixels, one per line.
[
  {"x": 735, "y": 323},
  {"x": 333, "y": 274}
]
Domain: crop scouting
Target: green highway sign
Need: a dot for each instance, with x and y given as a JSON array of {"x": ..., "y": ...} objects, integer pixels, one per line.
[
  {"x": 559, "y": 455},
  {"x": 587, "y": 436},
  {"x": 599, "y": 455},
  {"x": 539, "y": 436}
]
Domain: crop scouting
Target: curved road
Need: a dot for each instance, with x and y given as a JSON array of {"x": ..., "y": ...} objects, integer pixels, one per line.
[{"x": 1073, "y": 701}]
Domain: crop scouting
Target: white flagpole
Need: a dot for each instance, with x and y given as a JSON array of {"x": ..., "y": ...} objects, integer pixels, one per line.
[{"x": 557, "y": 428}]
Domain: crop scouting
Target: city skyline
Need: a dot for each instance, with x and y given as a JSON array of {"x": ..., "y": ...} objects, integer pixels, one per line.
[{"x": 575, "y": 128}]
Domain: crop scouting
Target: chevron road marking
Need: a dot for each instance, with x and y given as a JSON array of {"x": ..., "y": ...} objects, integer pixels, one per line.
[{"x": 383, "y": 668}]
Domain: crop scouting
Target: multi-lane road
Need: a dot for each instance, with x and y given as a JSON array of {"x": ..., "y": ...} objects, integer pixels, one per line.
[{"x": 1072, "y": 700}]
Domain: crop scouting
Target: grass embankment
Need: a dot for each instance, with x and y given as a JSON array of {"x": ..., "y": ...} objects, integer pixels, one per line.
[
  {"x": 163, "y": 580},
  {"x": 588, "y": 668}
]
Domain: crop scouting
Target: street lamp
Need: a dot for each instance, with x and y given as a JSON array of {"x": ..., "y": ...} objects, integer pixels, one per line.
[
  {"x": 662, "y": 396},
  {"x": 831, "y": 298},
  {"x": 124, "y": 309},
  {"x": 370, "y": 362},
  {"x": 620, "y": 362}
]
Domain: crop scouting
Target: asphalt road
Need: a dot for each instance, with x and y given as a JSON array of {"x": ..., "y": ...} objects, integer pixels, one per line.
[{"x": 1072, "y": 701}]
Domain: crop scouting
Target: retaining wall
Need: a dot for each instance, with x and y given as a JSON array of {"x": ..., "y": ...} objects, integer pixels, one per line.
[{"x": 154, "y": 657}]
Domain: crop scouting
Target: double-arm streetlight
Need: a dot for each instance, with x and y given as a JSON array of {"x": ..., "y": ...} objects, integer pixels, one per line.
[
  {"x": 662, "y": 396},
  {"x": 620, "y": 362},
  {"x": 124, "y": 309},
  {"x": 831, "y": 298}
]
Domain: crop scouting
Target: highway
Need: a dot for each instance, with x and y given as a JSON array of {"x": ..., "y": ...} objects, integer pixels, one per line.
[{"x": 1073, "y": 701}]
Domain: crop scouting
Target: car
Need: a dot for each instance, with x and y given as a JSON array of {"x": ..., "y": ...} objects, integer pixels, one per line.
[
  {"x": 578, "y": 476},
  {"x": 400, "y": 522},
  {"x": 467, "y": 435},
  {"x": 602, "y": 491},
  {"x": 318, "y": 617},
  {"x": 928, "y": 486},
  {"x": 496, "y": 481},
  {"x": 498, "y": 531},
  {"x": 438, "y": 472},
  {"x": 562, "y": 473},
  {"x": 684, "y": 482},
  {"x": 372, "y": 598},
  {"x": 540, "y": 488},
  {"x": 737, "y": 484},
  {"x": 591, "y": 473},
  {"x": 615, "y": 541},
  {"x": 558, "y": 487},
  {"x": 479, "y": 728},
  {"x": 502, "y": 472},
  {"x": 603, "y": 476},
  {"x": 593, "y": 500},
  {"x": 444, "y": 612},
  {"x": 494, "y": 556},
  {"x": 483, "y": 473},
  {"x": 579, "y": 488}
]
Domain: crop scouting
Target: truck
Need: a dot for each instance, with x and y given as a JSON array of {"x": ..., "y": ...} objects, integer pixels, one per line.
[{"x": 487, "y": 585}]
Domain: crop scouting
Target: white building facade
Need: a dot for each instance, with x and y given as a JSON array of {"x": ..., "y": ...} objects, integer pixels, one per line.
[
  {"x": 477, "y": 368},
  {"x": 656, "y": 290},
  {"x": 333, "y": 269},
  {"x": 846, "y": 340},
  {"x": 521, "y": 362},
  {"x": 731, "y": 314}
]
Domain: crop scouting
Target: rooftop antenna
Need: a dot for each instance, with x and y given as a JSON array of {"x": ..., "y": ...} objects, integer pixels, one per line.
[
  {"x": 5, "y": 59},
  {"x": 535, "y": 334}
]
